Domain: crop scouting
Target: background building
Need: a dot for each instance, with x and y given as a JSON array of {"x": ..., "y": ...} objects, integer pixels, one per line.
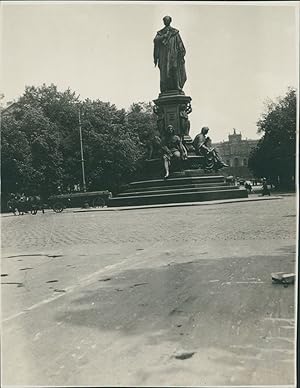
[{"x": 235, "y": 152}]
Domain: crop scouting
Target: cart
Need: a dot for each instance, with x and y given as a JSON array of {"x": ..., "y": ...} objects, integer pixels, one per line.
[{"x": 88, "y": 199}]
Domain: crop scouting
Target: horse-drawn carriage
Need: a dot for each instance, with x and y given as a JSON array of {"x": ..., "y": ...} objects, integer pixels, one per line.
[
  {"x": 89, "y": 199},
  {"x": 22, "y": 204}
]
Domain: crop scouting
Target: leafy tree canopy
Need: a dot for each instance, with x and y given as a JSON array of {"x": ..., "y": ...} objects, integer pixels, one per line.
[
  {"x": 275, "y": 155},
  {"x": 40, "y": 148}
]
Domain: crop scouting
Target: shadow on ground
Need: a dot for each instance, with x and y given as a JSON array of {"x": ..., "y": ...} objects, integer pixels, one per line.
[{"x": 202, "y": 302}]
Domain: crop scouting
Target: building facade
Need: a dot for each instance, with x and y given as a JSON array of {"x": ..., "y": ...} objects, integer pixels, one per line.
[{"x": 235, "y": 152}]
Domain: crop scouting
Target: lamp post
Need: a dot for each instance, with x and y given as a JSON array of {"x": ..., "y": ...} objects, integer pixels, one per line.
[{"x": 81, "y": 151}]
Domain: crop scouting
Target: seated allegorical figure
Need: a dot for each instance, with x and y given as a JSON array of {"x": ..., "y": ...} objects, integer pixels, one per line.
[
  {"x": 172, "y": 148},
  {"x": 203, "y": 147},
  {"x": 152, "y": 144}
]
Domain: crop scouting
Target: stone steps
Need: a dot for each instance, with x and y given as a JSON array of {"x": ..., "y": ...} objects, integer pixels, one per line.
[
  {"x": 173, "y": 187},
  {"x": 183, "y": 186},
  {"x": 186, "y": 196},
  {"x": 177, "y": 181},
  {"x": 176, "y": 189}
]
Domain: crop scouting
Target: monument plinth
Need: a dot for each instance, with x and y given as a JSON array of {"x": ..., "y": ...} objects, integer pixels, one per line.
[{"x": 173, "y": 108}]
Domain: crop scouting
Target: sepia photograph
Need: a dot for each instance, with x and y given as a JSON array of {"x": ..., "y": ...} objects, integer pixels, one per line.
[{"x": 149, "y": 193}]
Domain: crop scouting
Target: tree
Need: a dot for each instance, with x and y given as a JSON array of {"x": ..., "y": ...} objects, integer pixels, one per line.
[
  {"x": 16, "y": 169},
  {"x": 111, "y": 147},
  {"x": 141, "y": 120},
  {"x": 275, "y": 155},
  {"x": 41, "y": 147},
  {"x": 35, "y": 118}
]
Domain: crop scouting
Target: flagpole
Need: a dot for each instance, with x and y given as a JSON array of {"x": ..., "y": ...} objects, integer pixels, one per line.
[{"x": 81, "y": 151}]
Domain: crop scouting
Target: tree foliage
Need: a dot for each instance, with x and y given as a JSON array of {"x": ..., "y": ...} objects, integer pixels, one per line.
[
  {"x": 40, "y": 147},
  {"x": 275, "y": 155},
  {"x": 142, "y": 121}
]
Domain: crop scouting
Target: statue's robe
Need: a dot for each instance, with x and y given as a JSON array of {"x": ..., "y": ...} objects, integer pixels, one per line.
[
  {"x": 198, "y": 144},
  {"x": 212, "y": 160},
  {"x": 169, "y": 56}
]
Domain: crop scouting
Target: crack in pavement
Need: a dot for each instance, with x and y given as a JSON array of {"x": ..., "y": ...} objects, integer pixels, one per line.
[{"x": 31, "y": 255}]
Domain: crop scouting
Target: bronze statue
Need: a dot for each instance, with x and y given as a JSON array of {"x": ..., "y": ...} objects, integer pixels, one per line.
[
  {"x": 151, "y": 142},
  {"x": 154, "y": 147},
  {"x": 203, "y": 147},
  {"x": 172, "y": 148},
  {"x": 184, "y": 109},
  {"x": 169, "y": 52},
  {"x": 160, "y": 119}
]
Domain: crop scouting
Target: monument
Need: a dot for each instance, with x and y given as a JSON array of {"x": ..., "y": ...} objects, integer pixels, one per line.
[
  {"x": 178, "y": 169},
  {"x": 172, "y": 106}
]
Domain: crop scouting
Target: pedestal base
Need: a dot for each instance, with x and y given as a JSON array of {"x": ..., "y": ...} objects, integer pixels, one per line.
[
  {"x": 173, "y": 108},
  {"x": 153, "y": 168},
  {"x": 186, "y": 186}
]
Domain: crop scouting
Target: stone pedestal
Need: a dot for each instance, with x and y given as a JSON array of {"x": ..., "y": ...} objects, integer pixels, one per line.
[
  {"x": 153, "y": 168},
  {"x": 173, "y": 108}
]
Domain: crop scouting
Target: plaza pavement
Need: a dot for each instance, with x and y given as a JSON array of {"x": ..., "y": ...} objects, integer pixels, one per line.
[{"x": 177, "y": 295}]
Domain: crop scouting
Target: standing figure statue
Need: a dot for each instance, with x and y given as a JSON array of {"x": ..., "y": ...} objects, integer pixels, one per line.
[
  {"x": 172, "y": 148},
  {"x": 184, "y": 110},
  {"x": 203, "y": 147},
  {"x": 169, "y": 52},
  {"x": 160, "y": 119}
]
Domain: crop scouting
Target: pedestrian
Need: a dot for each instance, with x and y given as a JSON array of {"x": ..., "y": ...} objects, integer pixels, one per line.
[
  {"x": 265, "y": 189},
  {"x": 248, "y": 186}
]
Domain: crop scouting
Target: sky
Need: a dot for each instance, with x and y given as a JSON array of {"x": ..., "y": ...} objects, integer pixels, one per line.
[{"x": 237, "y": 55}]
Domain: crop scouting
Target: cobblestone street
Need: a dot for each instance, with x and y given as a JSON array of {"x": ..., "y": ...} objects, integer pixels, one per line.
[
  {"x": 186, "y": 224},
  {"x": 162, "y": 296}
]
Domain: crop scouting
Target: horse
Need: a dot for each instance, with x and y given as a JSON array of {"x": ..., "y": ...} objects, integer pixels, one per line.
[
  {"x": 12, "y": 205},
  {"x": 36, "y": 204},
  {"x": 23, "y": 204}
]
